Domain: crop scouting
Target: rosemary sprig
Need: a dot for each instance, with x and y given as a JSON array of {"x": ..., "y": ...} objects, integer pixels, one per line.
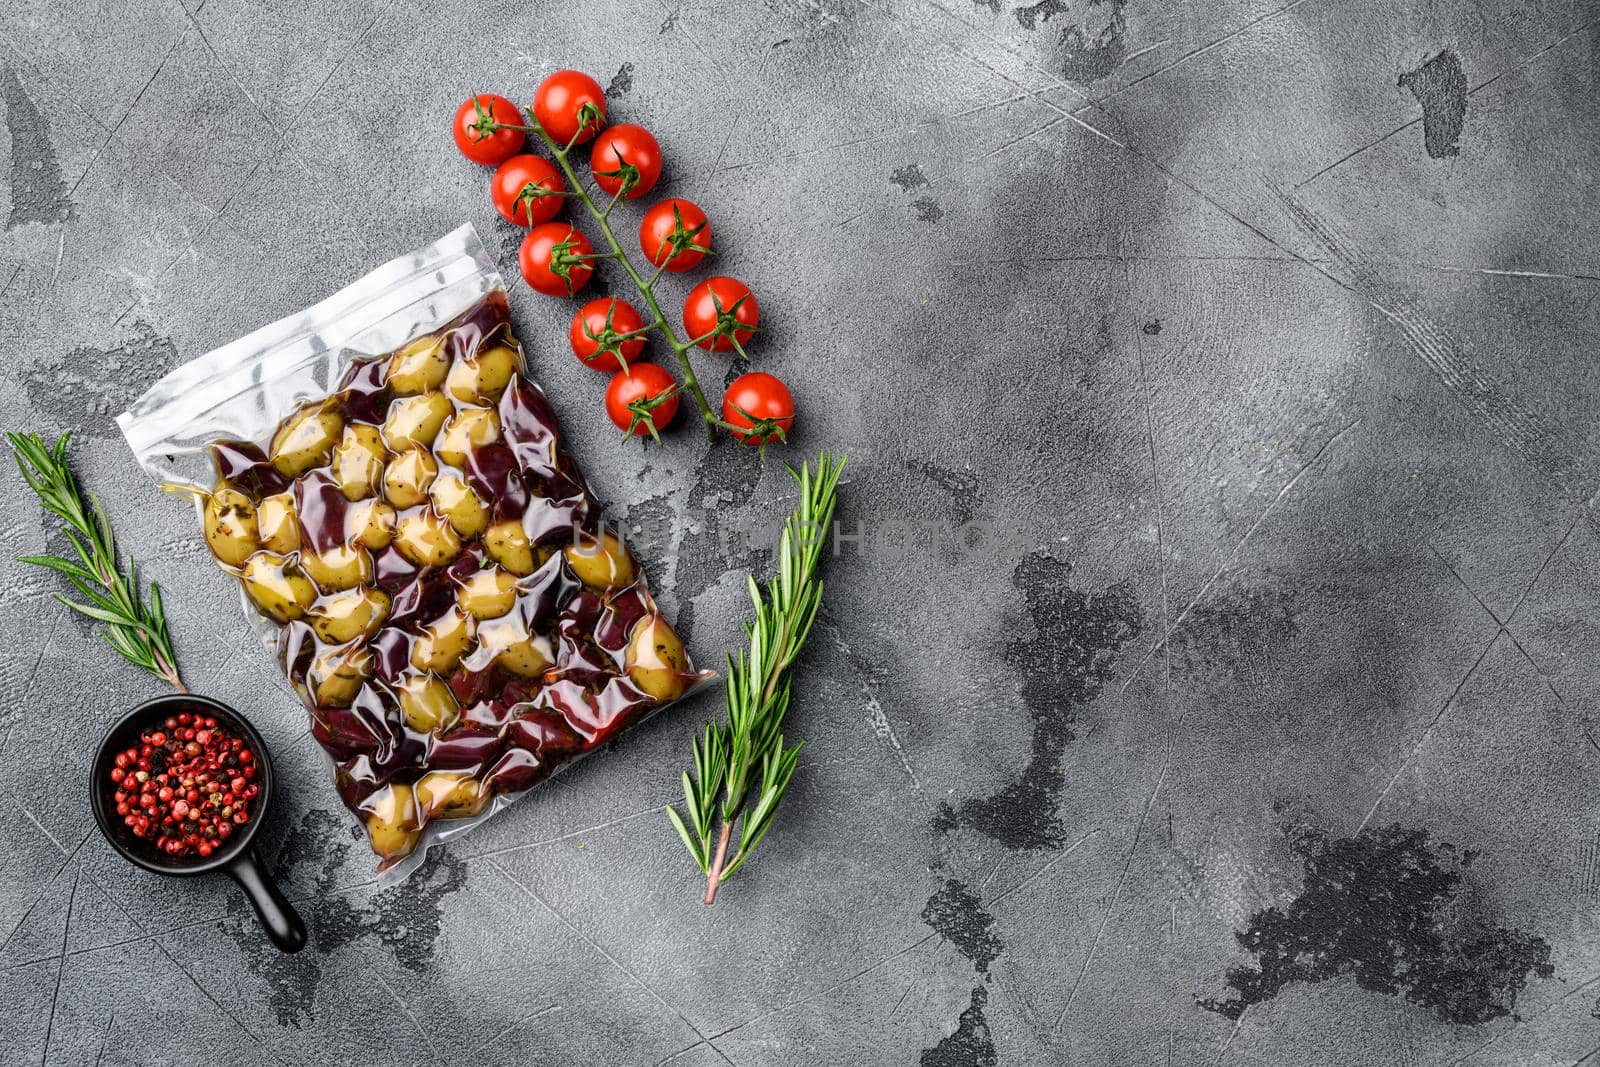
[
  {"x": 134, "y": 628},
  {"x": 742, "y": 766}
]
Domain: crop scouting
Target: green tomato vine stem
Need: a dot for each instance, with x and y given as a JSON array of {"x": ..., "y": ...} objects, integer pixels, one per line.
[{"x": 602, "y": 218}]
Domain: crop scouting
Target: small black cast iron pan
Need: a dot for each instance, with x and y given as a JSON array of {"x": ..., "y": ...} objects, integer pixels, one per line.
[{"x": 237, "y": 858}]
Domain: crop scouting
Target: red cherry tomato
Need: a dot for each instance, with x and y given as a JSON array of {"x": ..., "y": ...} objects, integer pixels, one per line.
[
  {"x": 758, "y": 408},
  {"x": 675, "y": 234},
  {"x": 476, "y": 133},
  {"x": 642, "y": 399},
  {"x": 595, "y": 331},
  {"x": 552, "y": 258},
  {"x": 721, "y": 313},
  {"x": 626, "y": 153},
  {"x": 570, "y": 106},
  {"x": 526, "y": 190}
]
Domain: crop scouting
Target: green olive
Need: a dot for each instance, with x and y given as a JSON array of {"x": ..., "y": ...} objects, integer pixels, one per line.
[
  {"x": 348, "y": 615},
  {"x": 443, "y": 642},
  {"x": 306, "y": 439},
  {"x": 414, "y": 421},
  {"x": 602, "y": 562},
  {"x": 358, "y": 461},
  {"x": 468, "y": 429},
  {"x": 427, "y": 703},
  {"x": 393, "y": 825},
  {"x": 484, "y": 377},
  {"x": 233, "y": 531},
  {"x": 507, "y": 544},
  {"x": 277, "y": 586},
  {"x": 454, "y": 499},
  {"x": 488, "y": 594},
  {"x": 656, "y": 661},
  {"x": 337, "y": 675},
  {"x": 370, "y": 524},
  {"x": 450, "y": 795},
  {"x": 406, "y": 482},
  {"x": 280, "y": 526},
  {"x": 506, "y": 641},
  {"x": 425, "y": 539},
  {"x": 418, "y": 366},
  {"x": 340, "y": 567}
]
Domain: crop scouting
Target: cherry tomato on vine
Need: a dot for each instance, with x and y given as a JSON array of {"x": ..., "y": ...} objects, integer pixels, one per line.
[
  {"x": 758, "y": 409},
  {"x": 675, "y": 235},
  {"x": 526, "y": 190},
  {"x": 642, "y": 400},
  {"x": 554, "y": 259},
  {"x": 595, "y": 333},
  {"x": 570, "y": 106},
  {"x": 721, "y": 313},
  {"x": 479, "y": 132},
  {"x": 626, "y": 154}
]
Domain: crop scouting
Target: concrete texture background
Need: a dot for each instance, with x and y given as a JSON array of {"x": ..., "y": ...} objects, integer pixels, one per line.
[{"x": 1252, "y": 723}]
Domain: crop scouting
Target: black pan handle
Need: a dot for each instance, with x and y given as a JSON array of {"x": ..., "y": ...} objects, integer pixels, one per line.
[{"x": 278, "y": 917}]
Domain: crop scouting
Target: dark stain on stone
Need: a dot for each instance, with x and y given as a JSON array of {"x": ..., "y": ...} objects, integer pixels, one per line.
[
  {"x": 671, "y": 21},
  {"x": 1091, "y": 50},
  {"x": 971, "y": 1045},
  {"x": 88, "y": 387},
  {"x": 1030, "y": 16},
  {"x": 621, "y": 82},
  {"x": 958, "y": 916},
  {"x": 927, "y": 209},
  {"x": 1152, "y": 328},
  {"x": 1440, "y": 86},
  {"x": 38, "y": 191},
  {"x": 992, "y": 5},
  {"x": 909, "y": 177},
  {"x": 966, "y": 493},
  {"x": 724, "y": 541},
  {"x": 1384, "y": 907},
  {"x": 651, "y": 528},
  {"x": 405, "y": 917},
  {"x": 1239, "y": 624},
  {"x": 1077, "y": 641}
]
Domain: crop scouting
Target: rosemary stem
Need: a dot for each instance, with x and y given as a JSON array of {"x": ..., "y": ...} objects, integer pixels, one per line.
[
  {"x": 714, "y": 877},
  {"x": 646, "y": 289}
]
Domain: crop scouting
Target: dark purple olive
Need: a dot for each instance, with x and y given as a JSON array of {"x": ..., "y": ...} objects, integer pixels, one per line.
[
  {"x": 392, "y": 572},
  {"x": 492, "y": 473},
  {"x": 529, "y": 427},
  {"x": 321, "y": 506},
  {"x": 488, "y": 714},
  {"x": 622, "y": 611},
  {"x": 422, "y": 599},
  {"x": 467, "y": 748},
  {"x": 356, "y": 781},
  {"x": 515, "y": 771},
  {"x": 572, "y": 703},
  {"x": 391, "y": 651},
  {"x": 342, "y": 732},
  {"x": 618, "y": 705},
  {"x": 366, "y": 397},
  {"x": 543, "y": 733},
  {"x": 246, "y": 466},
  {"x": 553, "y": 521}
]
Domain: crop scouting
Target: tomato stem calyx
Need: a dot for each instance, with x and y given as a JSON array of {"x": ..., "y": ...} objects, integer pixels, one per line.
[
  {"x": 601, "y": 216},
  {"x": 643, "y": 410}
]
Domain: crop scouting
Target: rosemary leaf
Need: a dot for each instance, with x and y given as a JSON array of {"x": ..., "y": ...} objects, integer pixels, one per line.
[
  {"x": 133, "y": 627},
  {"x": 742, "y": 767}
]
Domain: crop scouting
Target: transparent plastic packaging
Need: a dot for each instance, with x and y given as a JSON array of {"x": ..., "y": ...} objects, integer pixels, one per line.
[{"x": 415, "y": 544}]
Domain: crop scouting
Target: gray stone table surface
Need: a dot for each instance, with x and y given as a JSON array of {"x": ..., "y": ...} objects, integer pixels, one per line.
[{"x": 1214, "y": 683}]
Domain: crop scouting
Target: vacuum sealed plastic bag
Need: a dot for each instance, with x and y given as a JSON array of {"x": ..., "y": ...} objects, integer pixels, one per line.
[{"x": 421, "y": 552}]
